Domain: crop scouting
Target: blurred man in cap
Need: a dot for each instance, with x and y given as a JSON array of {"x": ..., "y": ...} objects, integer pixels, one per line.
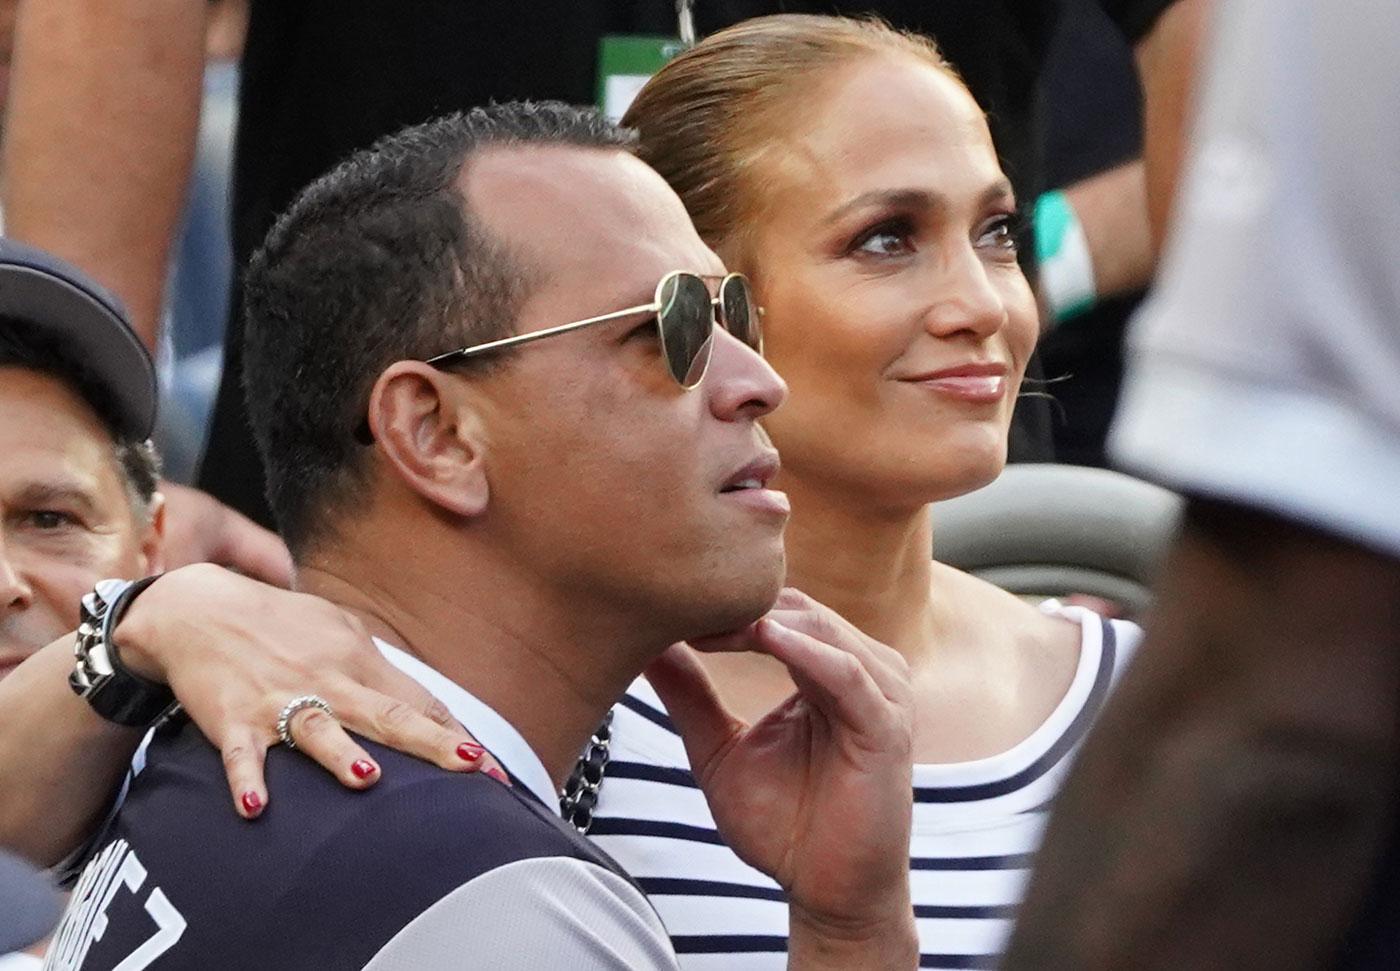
[{"x": 78, "y": 499}]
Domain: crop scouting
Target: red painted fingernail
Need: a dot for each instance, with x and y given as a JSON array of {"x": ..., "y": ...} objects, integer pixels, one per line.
[
  {"x": 498, "y": 775},
  {"x": 470, "y": 751},
  {"x": 252, "y": 802},
  {"x": 362, "y": 768}
]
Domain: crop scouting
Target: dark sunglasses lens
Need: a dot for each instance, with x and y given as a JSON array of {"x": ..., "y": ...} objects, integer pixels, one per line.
[
  {"x": 740, "y": 315},
  {"x": 687, "y": 327}
]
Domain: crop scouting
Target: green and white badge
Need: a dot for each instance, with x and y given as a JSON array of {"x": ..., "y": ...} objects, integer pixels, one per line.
[{"x": 625, "y": 63}]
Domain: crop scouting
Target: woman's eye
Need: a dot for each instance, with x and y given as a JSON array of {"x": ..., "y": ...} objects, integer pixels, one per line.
[
  {"x": 1002, "y": 233},
  {"x": 887, "y": 239}
]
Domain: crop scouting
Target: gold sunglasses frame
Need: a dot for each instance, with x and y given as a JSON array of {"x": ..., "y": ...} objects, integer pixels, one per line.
[{"x": 654, "y": 308}]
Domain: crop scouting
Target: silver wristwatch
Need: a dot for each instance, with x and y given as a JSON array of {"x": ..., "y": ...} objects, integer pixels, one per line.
[{"x": 113, "y": 691}]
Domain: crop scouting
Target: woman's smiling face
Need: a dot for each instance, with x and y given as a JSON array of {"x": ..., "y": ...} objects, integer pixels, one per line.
[{"x": 884, "y": 254}]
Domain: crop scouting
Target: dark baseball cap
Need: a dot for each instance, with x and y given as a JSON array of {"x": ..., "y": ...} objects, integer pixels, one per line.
[
  {"x": 30, "y": 904},
  {"x": 89, "y": 324}
]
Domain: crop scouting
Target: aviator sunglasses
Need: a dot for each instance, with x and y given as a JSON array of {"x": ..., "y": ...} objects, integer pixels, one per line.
[{"x": 685, "y": 315}]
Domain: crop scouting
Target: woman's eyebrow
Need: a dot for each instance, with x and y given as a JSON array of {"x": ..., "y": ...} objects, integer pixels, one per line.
[{"x": 913, "y": 199}]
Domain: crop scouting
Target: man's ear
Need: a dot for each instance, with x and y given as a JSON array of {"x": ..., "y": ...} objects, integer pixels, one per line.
[
  {"x": 431, "y": 436},
  {"x": 153, "y": 541}
]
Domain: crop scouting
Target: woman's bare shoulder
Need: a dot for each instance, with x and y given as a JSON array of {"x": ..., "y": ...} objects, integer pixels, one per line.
[{"x": 998, "y": 615}]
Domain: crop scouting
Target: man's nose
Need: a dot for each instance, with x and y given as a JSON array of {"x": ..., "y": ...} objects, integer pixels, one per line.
[{"x": 740, "y": 383}]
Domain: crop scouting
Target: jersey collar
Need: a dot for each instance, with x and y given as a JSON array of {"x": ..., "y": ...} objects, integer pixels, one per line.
[{"x": 486, "y": 725}]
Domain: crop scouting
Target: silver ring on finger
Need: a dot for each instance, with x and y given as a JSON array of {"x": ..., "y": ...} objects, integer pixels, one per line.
[{"x": 299, "y": 703}]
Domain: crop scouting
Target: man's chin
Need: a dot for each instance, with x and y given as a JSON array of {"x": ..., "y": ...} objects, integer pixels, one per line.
[{"x": 742, "y": 608}]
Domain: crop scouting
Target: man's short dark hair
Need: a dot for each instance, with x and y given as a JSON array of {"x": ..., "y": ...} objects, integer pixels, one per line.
[
  {"x": 21, "y": 346},
  {"x": 380, "y": 260}
]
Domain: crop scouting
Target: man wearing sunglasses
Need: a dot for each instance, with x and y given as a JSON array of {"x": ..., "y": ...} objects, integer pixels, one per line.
[
  {"x": 503, "y": 428},
  {"x": 685, "y": 313}
]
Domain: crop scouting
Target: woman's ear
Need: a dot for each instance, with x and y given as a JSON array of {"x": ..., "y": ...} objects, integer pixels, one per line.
[{"x": 430, "y": 435}]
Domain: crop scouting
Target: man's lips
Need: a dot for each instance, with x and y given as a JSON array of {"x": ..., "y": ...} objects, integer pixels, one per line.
[
  {"x": 976, "y": 382},
  {"x": 749, "y": 485},
  {"x": 755, "y": 475}
]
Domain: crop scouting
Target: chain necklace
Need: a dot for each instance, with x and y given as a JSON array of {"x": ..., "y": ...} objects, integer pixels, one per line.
[{"x": 580, "y": 796}]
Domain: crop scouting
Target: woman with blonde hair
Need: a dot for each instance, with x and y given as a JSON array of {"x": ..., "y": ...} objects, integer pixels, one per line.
[{"x": 844, "y": 167}]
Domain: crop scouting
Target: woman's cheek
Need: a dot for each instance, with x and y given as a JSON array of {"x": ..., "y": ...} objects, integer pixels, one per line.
[{"x": 1023, "y": 323}]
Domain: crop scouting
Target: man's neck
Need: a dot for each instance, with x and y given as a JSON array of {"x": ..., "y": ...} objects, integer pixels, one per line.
[{"x": 552, "y": 673}]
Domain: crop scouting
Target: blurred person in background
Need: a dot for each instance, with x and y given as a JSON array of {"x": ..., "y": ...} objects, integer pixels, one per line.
[
  {"x": 1090, "y": 117},
  {"x": 198, "y": 527},
  {"x": 201, "y": 271},
  {"x": 106, "y": 105},
  {"x": 201, "y": 265},
  {"x": 78, "y": 498},
  {"x": 1237, "y": 806}
]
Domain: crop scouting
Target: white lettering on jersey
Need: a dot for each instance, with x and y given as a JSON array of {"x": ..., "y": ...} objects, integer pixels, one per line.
[{"x": 85, "y": 921}]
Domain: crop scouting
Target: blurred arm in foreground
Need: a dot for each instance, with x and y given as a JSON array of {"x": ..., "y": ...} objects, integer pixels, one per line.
[{"x": 1237, "y": 796}]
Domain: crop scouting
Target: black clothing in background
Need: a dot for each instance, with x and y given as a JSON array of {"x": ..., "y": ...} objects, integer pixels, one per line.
[
  {"x": 1091, "y": 116},
  {"x": 322, "y": 78}
]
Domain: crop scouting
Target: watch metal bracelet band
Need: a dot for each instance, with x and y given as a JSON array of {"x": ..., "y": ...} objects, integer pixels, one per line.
[{"x": 113, "y": 691}]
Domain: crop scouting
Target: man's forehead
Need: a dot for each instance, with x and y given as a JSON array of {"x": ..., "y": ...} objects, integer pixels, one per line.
[
  {"x": 50, "y": 429},
  {"x": 33, "y": 390},
  {"x": 568, "y": 207}
]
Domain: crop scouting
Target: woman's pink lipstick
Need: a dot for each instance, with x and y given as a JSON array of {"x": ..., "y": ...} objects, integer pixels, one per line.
[{"x": 982, "y": 384}]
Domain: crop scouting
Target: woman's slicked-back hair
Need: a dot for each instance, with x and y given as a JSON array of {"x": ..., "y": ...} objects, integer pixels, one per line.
[{"x": 705, "y": 120}]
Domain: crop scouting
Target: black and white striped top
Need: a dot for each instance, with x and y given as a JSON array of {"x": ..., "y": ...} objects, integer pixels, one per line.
[{"x": 976, "y": 827}]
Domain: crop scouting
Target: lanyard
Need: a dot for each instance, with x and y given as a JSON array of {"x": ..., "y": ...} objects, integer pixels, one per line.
[
  {"x": 685, "y": 22},
  {"x": 626, "y": 62}
]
